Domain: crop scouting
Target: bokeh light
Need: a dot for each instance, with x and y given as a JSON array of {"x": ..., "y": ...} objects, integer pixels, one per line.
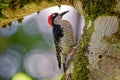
[
  {"x": 9, "y": 63},
  {"x": 9, "y": 30},
  {"x": 21, "y": 76},
  {"x": 40, "y": 64},
  {"x": 30, "y": 25},
  {"x": 16, "y": 47}
]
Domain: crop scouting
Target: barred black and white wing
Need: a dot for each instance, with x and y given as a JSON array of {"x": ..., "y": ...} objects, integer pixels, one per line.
[{"x": 58, "y": 34}]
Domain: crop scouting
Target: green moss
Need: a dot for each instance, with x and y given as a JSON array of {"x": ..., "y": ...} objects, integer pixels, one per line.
[
  {"x": 16, "y": 4},
  {"x": 95, "y": 8},
  {"x": 50, "y": 0},
  {"x": 3, "y": 6},
  {"x": 108, "y": 39},
  {"x": 116, "y": 36},
  {"x": 80, "y": 68},
  {"x": 118, "y": 32},
  {"x": 11, "y": 10},
  {"x": 80, "y": 60},
  {"x": 118, "y": 47}
]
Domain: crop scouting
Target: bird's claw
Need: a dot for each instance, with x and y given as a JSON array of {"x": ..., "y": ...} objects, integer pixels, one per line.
[{"x": 75, "y": 45}]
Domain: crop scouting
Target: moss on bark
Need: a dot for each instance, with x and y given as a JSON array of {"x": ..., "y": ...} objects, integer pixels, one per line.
[
  {"x": 94, "y": 8},
  {"x": 11, "y": 10}
]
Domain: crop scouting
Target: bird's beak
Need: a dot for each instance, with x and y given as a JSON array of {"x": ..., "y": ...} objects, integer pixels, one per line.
[{"x": 63, "y": 13}]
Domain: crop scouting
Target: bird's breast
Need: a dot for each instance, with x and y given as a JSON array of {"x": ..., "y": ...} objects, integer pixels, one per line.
[{"x": 67, "y": 40}]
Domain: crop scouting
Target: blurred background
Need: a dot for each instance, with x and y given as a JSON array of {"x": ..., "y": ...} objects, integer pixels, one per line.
[{"x": 27, "y": 50}]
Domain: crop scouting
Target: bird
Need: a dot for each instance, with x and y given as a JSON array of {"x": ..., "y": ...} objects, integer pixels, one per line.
[{"x": 64, "y": 37}]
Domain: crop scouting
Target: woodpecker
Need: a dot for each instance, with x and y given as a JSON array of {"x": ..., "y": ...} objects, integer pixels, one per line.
[{"x": 64, "y": 37}]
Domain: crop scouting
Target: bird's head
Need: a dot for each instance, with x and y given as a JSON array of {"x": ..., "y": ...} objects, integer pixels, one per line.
[{"x": 54, "y": 15}]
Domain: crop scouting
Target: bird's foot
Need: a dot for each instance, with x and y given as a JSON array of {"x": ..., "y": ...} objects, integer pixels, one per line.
[{"x": 75, "y": 45}]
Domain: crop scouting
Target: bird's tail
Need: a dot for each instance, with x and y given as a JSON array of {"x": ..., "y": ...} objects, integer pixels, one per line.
[
  {"x": 59, "y": 65},
  {"x": 64, "y": 67},
  {"x": 59, "y": 61}
]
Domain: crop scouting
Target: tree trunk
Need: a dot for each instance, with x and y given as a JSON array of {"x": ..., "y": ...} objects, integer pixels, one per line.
[{"x": 98, "y": 54}]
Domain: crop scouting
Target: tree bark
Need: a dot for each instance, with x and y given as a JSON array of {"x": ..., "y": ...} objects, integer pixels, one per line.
[{"x": 98, "y": 54}]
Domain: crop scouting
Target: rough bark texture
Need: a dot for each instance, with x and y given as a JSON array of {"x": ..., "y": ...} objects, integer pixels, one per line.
[
  {"x": 98, "y": 54},
  {"x": 103, "y": 53}
]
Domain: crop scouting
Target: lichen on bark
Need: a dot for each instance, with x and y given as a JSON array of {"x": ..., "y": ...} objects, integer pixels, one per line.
[{"x": 103, "y": 55}]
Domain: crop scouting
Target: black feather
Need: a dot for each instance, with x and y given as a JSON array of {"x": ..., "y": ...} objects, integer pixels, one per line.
[{"x": 58, "y": 34}]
